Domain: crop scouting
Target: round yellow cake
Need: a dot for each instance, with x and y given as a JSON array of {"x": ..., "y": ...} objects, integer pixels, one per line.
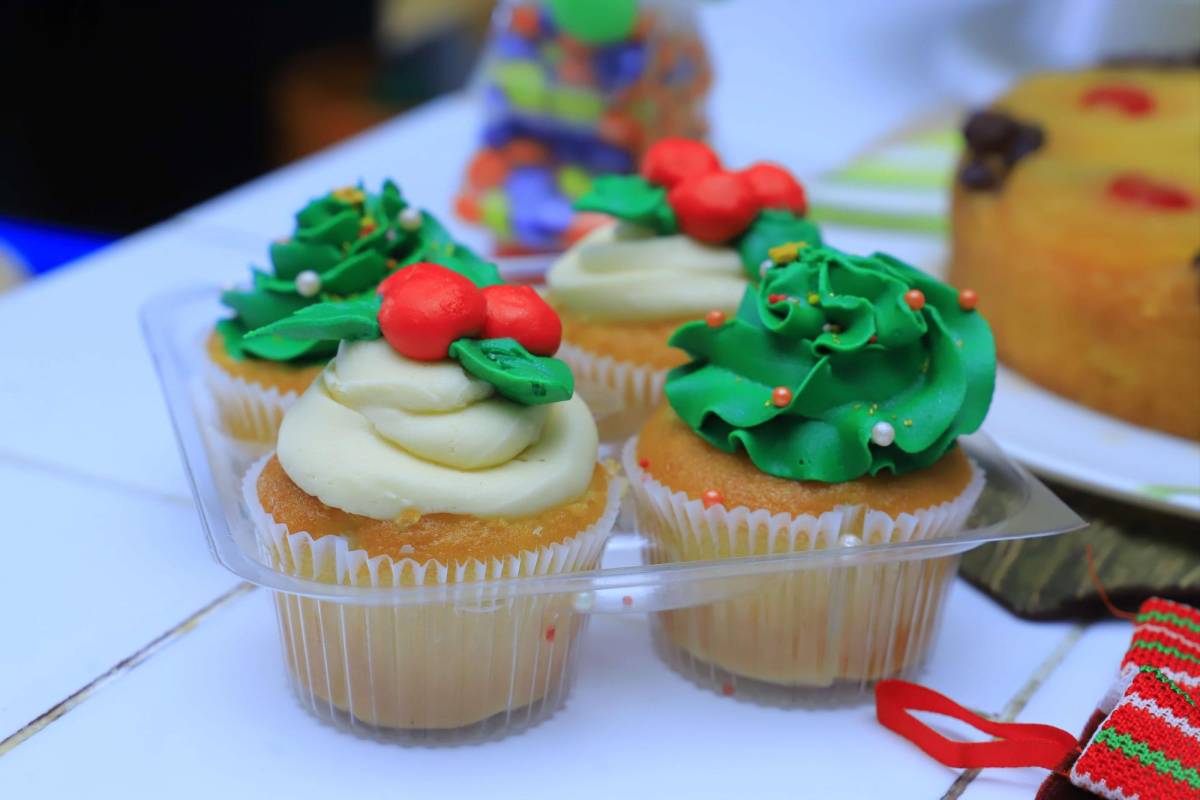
[{"x": 1076, "y": 219}]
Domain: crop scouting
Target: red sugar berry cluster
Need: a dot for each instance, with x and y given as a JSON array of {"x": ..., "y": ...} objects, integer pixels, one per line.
[
  {"x": 426, "y": 307},
  {"x": 713, "y": 204}
]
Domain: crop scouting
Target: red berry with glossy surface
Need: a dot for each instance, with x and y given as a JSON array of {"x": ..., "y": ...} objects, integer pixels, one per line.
[
  {"x": 774, "y": 187},
  {"x": 671, "y": 160},
  {"x": 519, "y": 312},
  {"x": 426, "y": 307},
  {"x": 713, "y": 208}
]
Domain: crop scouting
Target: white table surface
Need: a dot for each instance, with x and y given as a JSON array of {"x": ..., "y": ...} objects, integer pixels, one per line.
[{"x": 132, "y": 665}]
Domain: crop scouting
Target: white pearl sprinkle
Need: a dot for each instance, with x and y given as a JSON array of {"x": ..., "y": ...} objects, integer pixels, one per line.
[
  {"x": 849, "y": 540},
  {"x": 764, "y": 266},
  {"x": 583, "y": 602},
  {"x": 883, "y": 434},
  {"x": 410, "y": 218},
  {"x": 308, "y": 283},
  {"x": 829, "y": 327}
]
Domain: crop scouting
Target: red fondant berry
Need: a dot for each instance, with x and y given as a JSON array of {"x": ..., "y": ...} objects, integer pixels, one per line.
[
  {"x": 1142, "y": 191},
  {"x": 776, "y": 298},
  {"x": 715, "y": 207},
  {"x": 644, "y": 463},
  {"x": 426, "y": 307},
  {"x": 915, "y": 299},
  {"x": 781, "y": 396},
  {"x": 1127, "y": 99},
  {"x": 519, "y": 312},
  {"x": 711, "y": 497},
  {"x": 873, "y": 339},
  {"x": 670, "y": 160},
  {"x": 967, "y": 299},
  {"x": 774, "y": 187},
  {"x": 715, "y": 318}
]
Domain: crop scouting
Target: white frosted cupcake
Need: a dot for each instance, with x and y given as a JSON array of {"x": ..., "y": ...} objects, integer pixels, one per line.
[
  {"x": 443, "y": 453},
  {"x": 689, "y": 237}
]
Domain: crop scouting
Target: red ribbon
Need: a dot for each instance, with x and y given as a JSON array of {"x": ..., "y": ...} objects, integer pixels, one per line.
[{"x": 1019, "y": 744}]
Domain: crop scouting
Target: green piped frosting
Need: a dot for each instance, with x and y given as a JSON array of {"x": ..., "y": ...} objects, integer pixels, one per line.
[
  {"x": 352, "y": 239},
  {"x": 929, "y": 374},
  {"x": 633, "y": 199}
]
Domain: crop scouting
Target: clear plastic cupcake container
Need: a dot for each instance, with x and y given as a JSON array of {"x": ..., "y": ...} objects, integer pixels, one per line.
[{"x": 448, "y": 661}]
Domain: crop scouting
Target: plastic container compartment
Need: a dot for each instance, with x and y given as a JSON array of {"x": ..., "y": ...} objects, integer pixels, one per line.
[{"x": 455, "y": 662}]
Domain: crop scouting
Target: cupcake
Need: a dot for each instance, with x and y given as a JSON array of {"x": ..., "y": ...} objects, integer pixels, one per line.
[
  {"x": 688, "y": 238},
  {"x": 441, "y": 447},
  {"x": 823, "y": 415},
  {"x": 344, "y": 244}
]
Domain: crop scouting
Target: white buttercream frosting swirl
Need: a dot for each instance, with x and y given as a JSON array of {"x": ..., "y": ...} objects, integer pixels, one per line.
[
  {"x": 380, "y": 435},
  {"x": 621, "y": 272}
]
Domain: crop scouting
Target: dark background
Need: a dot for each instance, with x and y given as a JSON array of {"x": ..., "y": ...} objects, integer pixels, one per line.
[{"x": 117, "y": 115}]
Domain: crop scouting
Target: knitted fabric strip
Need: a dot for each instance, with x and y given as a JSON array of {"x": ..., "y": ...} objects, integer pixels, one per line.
[{"x": 1149, "y": 747}]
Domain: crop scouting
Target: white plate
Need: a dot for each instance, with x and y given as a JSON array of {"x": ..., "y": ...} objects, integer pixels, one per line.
[{"x": 1068, "y": 442}]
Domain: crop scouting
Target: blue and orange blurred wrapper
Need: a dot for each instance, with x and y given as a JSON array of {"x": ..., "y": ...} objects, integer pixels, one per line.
[{"x": 568, "y": 94}]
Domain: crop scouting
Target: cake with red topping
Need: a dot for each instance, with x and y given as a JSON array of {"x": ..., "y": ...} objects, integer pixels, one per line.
[{"x": 1076, "y": 218}]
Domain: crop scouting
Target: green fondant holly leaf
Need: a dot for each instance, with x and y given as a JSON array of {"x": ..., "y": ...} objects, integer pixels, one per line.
[
  {"x": 329, "y": 321},
  {"x": 277, "y": 348},
  {"x": 633, "y": 199},
  {"x": 516, "y": 373},
  {"x": 770, "y": 228}
]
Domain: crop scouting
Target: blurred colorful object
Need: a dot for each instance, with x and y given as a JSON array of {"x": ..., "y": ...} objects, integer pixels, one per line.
[
  {"x": 574, "y": 89},
  {"x": 35, "y": 248}
]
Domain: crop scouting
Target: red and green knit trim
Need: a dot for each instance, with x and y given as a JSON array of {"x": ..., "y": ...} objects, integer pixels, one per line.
[
  {"x": 1148, "y": 747},
  {"x": 1161, "y": 676},
  {"x": 1170, "y": 619},
  {"x": 1166, "y": 650},
  {"x": 1128, "y": 746}
]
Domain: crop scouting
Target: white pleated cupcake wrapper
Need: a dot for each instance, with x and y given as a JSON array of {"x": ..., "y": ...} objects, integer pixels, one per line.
[
  {"x": 330, "y": 558},
  {"x": 256, "y": 409},
  {"x": 611, "y": 386},
  {"x": 440, "y": 666},
  {"x": 812, "y": 626},
  {"x": 728, "y": 530}
]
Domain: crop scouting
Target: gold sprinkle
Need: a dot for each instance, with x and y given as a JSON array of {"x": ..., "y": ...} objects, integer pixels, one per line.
[
  {"x": 870, "y": 412},
  {"x": 349, "y": 194},
  {"x": 857, "y": 406},
  {"x": 786, "y": 253},
  {"x": 908, "y": 423},
  {"x": 814, "y": 298}
]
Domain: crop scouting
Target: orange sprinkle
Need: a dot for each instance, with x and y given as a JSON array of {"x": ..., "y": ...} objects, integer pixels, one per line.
[
  {"x": 781, "y": 396},
  {"x": 715, "y": 318},
  {"x": 915, "y": 299},
  {"x": 711, "y": 497},
  {"x": 967, "y": 299}
]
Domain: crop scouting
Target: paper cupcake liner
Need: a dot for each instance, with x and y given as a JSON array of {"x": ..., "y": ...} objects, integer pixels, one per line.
[
  {"x": 812, "y": 627},
  {"x": 480, "y": 668},
  {"x": 246, "y": 411},
  {"x": 621, "y": 394}
]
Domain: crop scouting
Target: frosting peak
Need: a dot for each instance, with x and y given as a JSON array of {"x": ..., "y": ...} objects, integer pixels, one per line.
[
  {"x": 625, "y": 272},
  {"x": 838, "y": 366},
  {"x": 380, "y": 434}
]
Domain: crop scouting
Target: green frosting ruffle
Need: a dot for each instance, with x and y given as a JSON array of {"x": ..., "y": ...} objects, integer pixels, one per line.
[
  {"x": 352, "y": 240},
  {"x": 929, "y": 374}
]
